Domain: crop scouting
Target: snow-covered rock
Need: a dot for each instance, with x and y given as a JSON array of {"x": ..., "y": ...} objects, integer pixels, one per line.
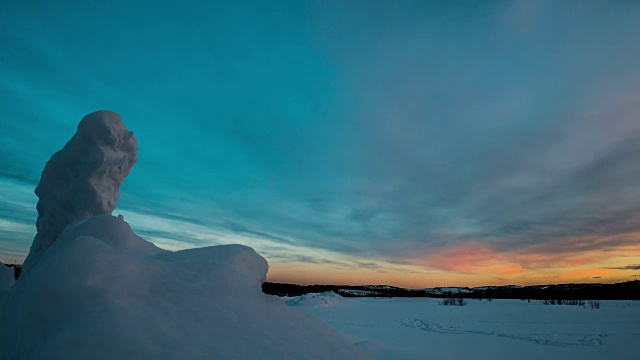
[
  {"x": 95, "y": 290},
  {"x": 82, "y": 179}
]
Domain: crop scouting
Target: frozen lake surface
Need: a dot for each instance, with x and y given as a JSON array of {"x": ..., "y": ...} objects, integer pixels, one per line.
[{"x": 421, "y": 328}]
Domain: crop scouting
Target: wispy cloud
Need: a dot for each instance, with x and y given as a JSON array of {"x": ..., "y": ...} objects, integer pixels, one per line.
[{"x": 628, "y": 267}]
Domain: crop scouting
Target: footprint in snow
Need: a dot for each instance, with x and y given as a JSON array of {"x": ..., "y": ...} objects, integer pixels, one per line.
[{"x": 437, "y": 327}]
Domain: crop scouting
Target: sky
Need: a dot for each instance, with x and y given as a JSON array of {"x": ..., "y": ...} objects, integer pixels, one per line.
[{"x": 412, "y": 143}]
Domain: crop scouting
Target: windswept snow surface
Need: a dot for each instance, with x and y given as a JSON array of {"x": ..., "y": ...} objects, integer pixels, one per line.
[
  {"x": 420, "y": 328},
  {"x": 101, "y": 292}
]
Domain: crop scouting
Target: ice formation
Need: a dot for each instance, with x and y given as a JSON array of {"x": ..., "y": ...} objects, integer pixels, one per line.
[
  {"x": 96, "y": 290},
  {"x": 83, "y": 179}
]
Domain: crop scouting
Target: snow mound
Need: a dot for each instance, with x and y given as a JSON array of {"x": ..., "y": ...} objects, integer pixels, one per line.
[
  {"x": 448, "y": 290},
  {"x": 82, "y": 179},
  {"x": 325, "y": 299},
  {"x": 96, "y": 290},
  {"x": 108, "y": 294},
  {"x": 359, "y": 292}
]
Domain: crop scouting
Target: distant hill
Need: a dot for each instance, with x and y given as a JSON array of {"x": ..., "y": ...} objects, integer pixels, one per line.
[{"x": 629, "y": 290}]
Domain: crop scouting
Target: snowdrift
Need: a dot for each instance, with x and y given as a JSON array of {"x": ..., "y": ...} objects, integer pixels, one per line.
[
  {"x": 98, "y": 291},
  {"x": 326, "y": 299}
]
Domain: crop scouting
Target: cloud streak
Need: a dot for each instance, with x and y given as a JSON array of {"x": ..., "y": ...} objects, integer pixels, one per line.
[{"x": 628, "y": 267}]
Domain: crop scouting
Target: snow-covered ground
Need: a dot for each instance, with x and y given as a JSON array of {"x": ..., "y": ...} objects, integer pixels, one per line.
[{"x": 420, "y": 328}]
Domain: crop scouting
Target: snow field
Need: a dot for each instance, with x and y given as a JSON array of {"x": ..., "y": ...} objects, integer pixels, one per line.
[{"x": 421, "y": 328}]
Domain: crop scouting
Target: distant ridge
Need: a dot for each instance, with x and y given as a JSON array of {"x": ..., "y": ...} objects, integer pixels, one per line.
[{"x": 628, "y": 290}]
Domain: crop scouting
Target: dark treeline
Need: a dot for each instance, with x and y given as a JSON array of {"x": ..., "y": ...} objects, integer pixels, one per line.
[
  {"x": 281, "y": 289},
  {"x": 629, "y": 290}
]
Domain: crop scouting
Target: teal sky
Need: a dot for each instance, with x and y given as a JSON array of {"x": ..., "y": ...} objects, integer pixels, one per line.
[{"x": 375, "y": 138}]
